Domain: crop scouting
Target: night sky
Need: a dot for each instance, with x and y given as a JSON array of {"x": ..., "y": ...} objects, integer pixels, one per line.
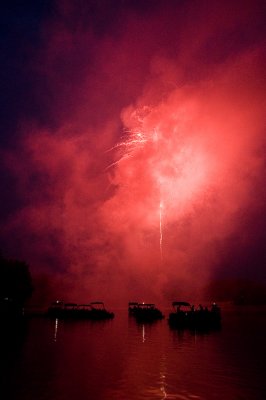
[{"x": 133, "y": 145}]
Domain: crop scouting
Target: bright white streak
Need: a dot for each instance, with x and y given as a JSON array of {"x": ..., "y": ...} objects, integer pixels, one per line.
[{"x": 161, "y": 230}]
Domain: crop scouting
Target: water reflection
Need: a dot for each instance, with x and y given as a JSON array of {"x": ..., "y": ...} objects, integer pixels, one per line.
[
  {"x": 55, "y": 329},
  {"x": 120, "y": 359},
  {"x": 162, "y": 378},
  {"x": 13, "y": 334},
  {"x": 143, "y": 333}
]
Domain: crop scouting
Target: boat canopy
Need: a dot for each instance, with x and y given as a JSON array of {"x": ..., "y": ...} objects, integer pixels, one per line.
[
  {"x": 146, "y": 305},
  {"x": 84, "y": 305},
  {"x": 99, "y": 305},
  {"x": 180, "y": 303}
]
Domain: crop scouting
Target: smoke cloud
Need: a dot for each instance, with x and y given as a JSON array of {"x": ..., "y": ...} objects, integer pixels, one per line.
[{"x": 140, "y": 172}]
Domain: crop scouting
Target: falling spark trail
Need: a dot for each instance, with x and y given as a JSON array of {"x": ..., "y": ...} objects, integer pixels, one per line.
[{"x": 161, "y": 231}]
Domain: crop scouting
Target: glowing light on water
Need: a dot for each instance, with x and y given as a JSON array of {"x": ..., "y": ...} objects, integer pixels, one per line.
[
  {"x": 143, "y": 333},
  {"x": 55, "y": 329}
]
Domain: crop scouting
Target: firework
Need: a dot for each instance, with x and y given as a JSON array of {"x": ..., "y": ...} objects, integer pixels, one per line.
[{"x": 132, "y": 142}]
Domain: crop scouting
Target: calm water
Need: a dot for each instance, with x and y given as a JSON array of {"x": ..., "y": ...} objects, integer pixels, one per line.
[{"x": 118, "y": 359}]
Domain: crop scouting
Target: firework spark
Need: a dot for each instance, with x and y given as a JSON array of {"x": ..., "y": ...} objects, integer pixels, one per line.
[{"x": 130, "y": 142}]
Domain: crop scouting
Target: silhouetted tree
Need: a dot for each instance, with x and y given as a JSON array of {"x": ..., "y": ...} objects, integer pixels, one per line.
[{"x": 15, "y": 284}]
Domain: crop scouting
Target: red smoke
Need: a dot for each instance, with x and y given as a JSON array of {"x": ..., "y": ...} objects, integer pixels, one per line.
[{"x": 190, "y": 112}]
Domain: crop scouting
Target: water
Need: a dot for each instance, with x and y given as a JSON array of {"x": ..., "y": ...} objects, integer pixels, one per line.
[{"x": 62, "y": 360}]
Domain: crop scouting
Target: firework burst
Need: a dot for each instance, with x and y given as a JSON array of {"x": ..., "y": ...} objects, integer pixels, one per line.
[{"x": 132, "y": 143}]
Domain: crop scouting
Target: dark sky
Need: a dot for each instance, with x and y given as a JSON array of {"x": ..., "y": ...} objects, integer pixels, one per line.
[{"x": 133, "y": 144}]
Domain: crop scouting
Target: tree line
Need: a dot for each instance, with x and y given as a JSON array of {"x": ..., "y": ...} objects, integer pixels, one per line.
[{"x": 15, "y": 285}]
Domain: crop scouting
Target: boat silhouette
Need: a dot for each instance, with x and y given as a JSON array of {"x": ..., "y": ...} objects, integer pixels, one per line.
[
  {"x": 94, "y": 310},
  {"x": 185, "y": 316},
  {"x": 145, "y": 312}
]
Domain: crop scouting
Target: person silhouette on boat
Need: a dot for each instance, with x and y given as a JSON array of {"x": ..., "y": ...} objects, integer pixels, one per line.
[{"x": 215, "y": 310}]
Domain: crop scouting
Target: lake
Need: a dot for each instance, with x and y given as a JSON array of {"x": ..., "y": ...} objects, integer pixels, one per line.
[{"x": 119, "y": 359}]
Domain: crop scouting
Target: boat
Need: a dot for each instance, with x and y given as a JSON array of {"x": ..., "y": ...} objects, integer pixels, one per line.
[
  {"x": 98, "y": 311},
  {"x": 185, "y": 316},
  {"x": 56, "y": 309},
  {"x": 132, "y": 307},
  {"x": 146, "y": 312},
  {"x": 94, "y": 310}
]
